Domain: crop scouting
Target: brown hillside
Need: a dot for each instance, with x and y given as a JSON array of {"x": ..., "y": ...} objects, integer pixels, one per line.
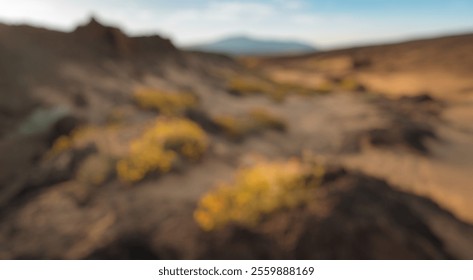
[
  {"x": 120, "y": 147},
  {"x": 441, "y": 66}
]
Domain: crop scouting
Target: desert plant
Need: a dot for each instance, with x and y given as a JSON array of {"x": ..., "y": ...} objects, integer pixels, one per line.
[
  {"x": 61, "y": 144},
  {"x": 107, "y": 139},
  {"x": 246, "y": 86},
  {"x": 233, "y": 127},
  {"x": 325, "y": 87},
  {"x": 167, "y": 103},
  {"x": 294, "y": 89},
  {"x": 67, "y": 142},
  {"x": 257, "y": 191},
  {"x": 144, "y": 158},
  {"x": 160, "y": 146},
  {"x": 350, "y": 84},
  {"x": 265, "y": 119},
  {"x": 257, "y": 120}
]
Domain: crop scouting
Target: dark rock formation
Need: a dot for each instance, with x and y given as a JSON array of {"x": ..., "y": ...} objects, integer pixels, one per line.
[
  {"x": 352, "y": 216},
  {"x": 112, "y": 40}
]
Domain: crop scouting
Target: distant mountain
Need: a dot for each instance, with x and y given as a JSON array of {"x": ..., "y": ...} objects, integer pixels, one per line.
[{"x": 243, "y": 45}]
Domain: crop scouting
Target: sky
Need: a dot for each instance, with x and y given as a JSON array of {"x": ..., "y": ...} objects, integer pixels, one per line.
[{"x": 323, "y": 23}]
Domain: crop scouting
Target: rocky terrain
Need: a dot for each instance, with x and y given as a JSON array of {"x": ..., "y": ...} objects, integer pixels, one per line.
[{"x": 118, "y": 147}]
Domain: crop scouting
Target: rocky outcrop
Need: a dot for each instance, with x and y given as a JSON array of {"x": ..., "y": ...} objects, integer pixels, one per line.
[
  {"x": 352, "y": 216},
  {"x": 113, "y": 41}
]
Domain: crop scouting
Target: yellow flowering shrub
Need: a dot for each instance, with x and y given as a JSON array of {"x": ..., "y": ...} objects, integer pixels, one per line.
[
  {"x": 233, "y": 127},
  {"x": 167, "y": 103},
  {"x": 257, "y": 120},
  {"x": 259, "y": 190},
  {"x": 160, "y": 146},
  {"x": 61, "y": 144},
  {"x": 276, "y": 90},
  {"x": 247, "y": 86},
  {"x": 349, "y": 84},
  {"x": 295, "y": 89},
  {"x": 66, "y": 142},
  {"x": 181, "y": 135},
  {"x": 325, "y": 87},
  {"x": 144, "y": 158},
  {"x": 265, "y": 119}
]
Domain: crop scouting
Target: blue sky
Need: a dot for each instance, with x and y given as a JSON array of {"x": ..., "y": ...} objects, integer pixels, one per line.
[{"x": 325, "y": 23}]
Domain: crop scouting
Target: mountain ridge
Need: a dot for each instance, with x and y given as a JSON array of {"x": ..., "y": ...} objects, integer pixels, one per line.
[{"x": 247, "y": 45}]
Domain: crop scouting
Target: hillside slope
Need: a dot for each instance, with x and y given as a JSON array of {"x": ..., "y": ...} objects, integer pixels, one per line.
[
  {"x": 116, "y": 147},
  {"x": 441, "y": 66}
]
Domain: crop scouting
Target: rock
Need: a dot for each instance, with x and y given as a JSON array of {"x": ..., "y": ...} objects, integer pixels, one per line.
[
  {"x": 352, "y": 216},
  {"x": 113, "y": 41},
  {"x": 63, "y": 126},
  {"x": 408, "y": 135}
]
